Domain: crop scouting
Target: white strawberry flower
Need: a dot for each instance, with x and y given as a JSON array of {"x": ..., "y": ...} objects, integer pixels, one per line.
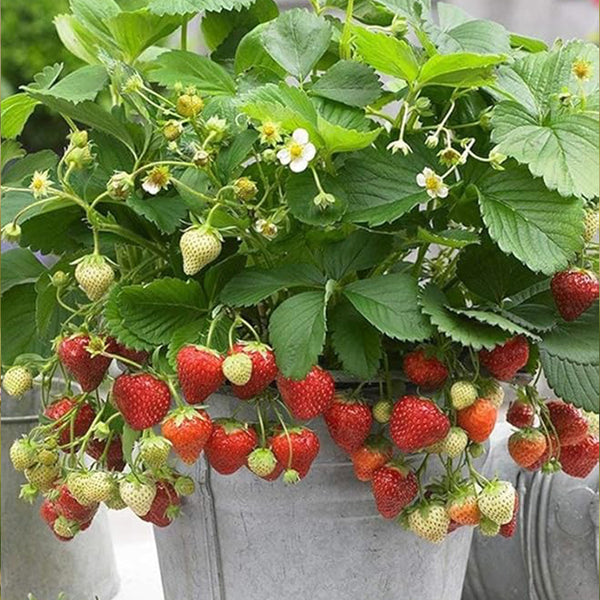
[
  {"x": 298, "y": 152},
  {"x": 40, "y": 184},
  {"x": 434, "y": 185},
  {"x": 157, "y": 179}
]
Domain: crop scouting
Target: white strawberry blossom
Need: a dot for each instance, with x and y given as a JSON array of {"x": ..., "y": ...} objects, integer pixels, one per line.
[
  {"x": 434, "y": 185},
  {"x": 298, "y": 152},
  {"x": 40, "y": 184}
]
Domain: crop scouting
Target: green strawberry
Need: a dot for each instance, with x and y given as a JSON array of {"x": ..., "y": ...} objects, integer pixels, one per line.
[
  {"x": 462, "y": 394},
  {"x": 138, "y": 494},
  {"x": 455, "y": 442},
  {"x": 382, "y": 411},
  {"x": 23, "y": 454},
  {"x": 430, "y": 522},
  {"x": 185, "y": 486},
  {"x": 497, "y": 501},
  {"x": 262, "y": 461},
  {"x": 65, "y": 528},
  {"x": 237, "y": 368},
  {"x": 17, "y": 380},
  {"x": 94, "y": 276}
]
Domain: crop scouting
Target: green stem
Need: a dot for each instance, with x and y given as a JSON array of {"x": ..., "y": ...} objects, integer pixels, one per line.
[
  {"x": 345, "y": 50},
  {"x": 184, "y": 34},
  {"x": 133, "y": 237}
]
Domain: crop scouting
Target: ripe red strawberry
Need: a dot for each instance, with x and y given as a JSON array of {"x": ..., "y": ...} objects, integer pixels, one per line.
[
  {"x": 478, "y": 420},
  {"x": 426, "y": 372},
  {"x": 229, "y": 445},
  {"x": 296, "y": 450},
  {"x": 87, "y": 370},
  {"x": 66, "y": 505},
  {"x": 188, "y": 429},
  {"x": 505, "y": 360},
  {"x": 165, "y": 506},
  {"x": 142, "y": 399},
  {"x": 570, "y": 424},
  {"x": 508, "y": 529},
  {"x": 574, "y": 291},
  {"x": 394, "y": 487},
  {"x": 264, "y": 369},
  {"x": 83, "y": 412},
  {"x": 551, "y": 453},
  {"x": 349, "y": 422},
  {"x": 372, "y": 456},
  {"x": 137, "y": 356},
  {"x": 48, "y": 512},
  {"x": 309, "y": 397},
  {"x": 200, "y": 373},
  {"x": 520, "y": 414},
  {"x": 527, "y": 446},
  {"x": 579, "y": 460},
  {"x": 114, "y": 455},
  {"x": 417, "y": 423}
]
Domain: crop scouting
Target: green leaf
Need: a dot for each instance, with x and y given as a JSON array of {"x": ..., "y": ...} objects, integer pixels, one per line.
[
  {"x": 460, "y": 70},
  {"x": 520, "y": 214},
  {"x": 19, "y": 266},
  {"x": 165, "y": 213},
  {"x": 83, "y": 84},
  {"x": 186, "y": 7},
  {"x": 412, "y": 9},
  {"x": 297, "y": 333},
  {"x": 188, "y": 68},
  {"x": 389, "y": 302},
  {"x": 497, "y": 320},
  {"x": 349, "y": 82},
  {"x": 153, "y": 312},
  {"x": 360, "y": 250},
  {"x": 534, "y": 316},
  {"x": 20, "y": 171},
  {"x": 251, "y": 55},
  {"x": 85, "y": 42},
  {"x": 570, "y": 359},
  {"x": 381, "y": 186},
  {"x": 451, "y": 238},
  {"x": 197, "y": 180},
  {"x": 300, "y": 193},
  {"x": 128, "y": 439},
  {"x": 296, "y": 40},
  {"x": 523, "y": 42},
  {"x": 135, "y": 31},
  {"x": 355, "y": 341},
  {"x": 49, "y": 315},
  {"x": 16, "y": 110},
  {"x": 10, "y": 150},
  {"x": 19, "y": 334},
  {"x": 251, "y": 286},
  {"x": 564, "y": 151},
  {"x": 340, "y": 139},
  {"x": 459, "y": 32},
  {"x": 504, "y": 274},
  {"x": 115, "y": 324},
  {"x": 235, "y": 154},
  {"x": 458, "y": 327},
  {"x": 386, "y": 54}
]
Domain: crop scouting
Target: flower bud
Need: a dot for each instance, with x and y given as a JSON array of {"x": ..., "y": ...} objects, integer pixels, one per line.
[
  {"x": 79, "y": 138},
  {"x": 324, "y": 200},
  {"x": 201, "y": 158},
  {"x": 60, "y": 279},
  {"x": 11, "y": 232},
  {"x": 133, "y": 84},
  {"x": 172, "y": 130},
  {"x": 432, "y": 141},
  {"x": 79, "y": 157},
  {"x": 269, "y": 155},
  {"x": 120, "y": 185},
  {"x": 217, "y": 128}
]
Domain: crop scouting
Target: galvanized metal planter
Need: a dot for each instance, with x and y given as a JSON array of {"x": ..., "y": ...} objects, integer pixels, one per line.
[
  {"x": 241, "y": 538},
  {"x": 33, "y": 560}
]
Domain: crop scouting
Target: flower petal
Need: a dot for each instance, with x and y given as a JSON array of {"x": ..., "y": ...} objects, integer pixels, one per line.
[
  {"x": 432, "y": 193},
  {"x": 284, "y": 156},
  {"x": 151, "y": 187},
  {"x": 421, "y": 180},
  {"x": 299, "y": 164},
  {"x": 442, "y": 192},
  {"x": 300, "y": 136},
  {"x": 309, "y": 152}
]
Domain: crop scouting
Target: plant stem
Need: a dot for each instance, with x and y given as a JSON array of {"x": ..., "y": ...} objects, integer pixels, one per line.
[
  {"x": 184, "y": 34},
  {"x": 345, "y": 51}
]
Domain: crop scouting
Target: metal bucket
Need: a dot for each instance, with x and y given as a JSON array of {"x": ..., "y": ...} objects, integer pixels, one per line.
[
  {"x": 33, "y": 560},
  {"x": 241, "y": 538},
  {"x": 554, "y": 553}
]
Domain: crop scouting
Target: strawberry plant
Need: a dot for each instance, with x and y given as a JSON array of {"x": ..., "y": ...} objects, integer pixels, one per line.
[{"x": 318, "y": 194}]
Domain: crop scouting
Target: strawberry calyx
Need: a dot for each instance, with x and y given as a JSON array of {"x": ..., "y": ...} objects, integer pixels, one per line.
[{"x": 185, "y": 413}]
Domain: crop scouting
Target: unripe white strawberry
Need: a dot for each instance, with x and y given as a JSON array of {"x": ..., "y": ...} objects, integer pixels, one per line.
[
  {"x": 115, "y": 502},
  {"x": 593, "y": 420},
  {"x": 497, "y": 501},
  {"x": 462, "y": 394},
  {"x": 262, "y": 462},
  {"x": 488, "y": 527},
  {"x": 199, "y": 247},
  {"x": 138, "y": 495},
  {"x": 94, "y": 276},
  {"x": 495, "y": 394},
  {"x": 455, "y": 442},
  {"x": 590, "y": 224},
  {"x": 430, "y": 522},
  {"x": 17, "y": 380},
  {"x": 382, "y": 411},
  {"x": 99, "y": 486},
  {"x": 78, "y": 486},
  {"x": 22, "y": 454},
  {"x": 47, "y": 457},
  {"x": 42, "y": 477},
  {"x": 237, "y": 368},
  {"x": 154, "y": 451}
]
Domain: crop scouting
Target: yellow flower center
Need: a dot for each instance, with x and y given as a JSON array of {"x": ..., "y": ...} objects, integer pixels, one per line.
[
  {"x": 432, "y": 182},
  {"x": 582, "y": 69},
  {"x": 268, "y": 129},
  {"x": 296, "y": 150}
]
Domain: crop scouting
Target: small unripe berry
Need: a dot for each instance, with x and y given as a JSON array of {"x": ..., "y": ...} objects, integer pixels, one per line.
[
  {"x": 94, "y": 275},
  {"x": 172, "y": 130},
  {"x": 245, "y": 189},
  {"x": 237, "y": 368},
  {"x": 17, "y": 381},
  {"x": 189, "y": 105},
  {"x": 382, "y": 411},
  {"x": 262, "y": 462}
]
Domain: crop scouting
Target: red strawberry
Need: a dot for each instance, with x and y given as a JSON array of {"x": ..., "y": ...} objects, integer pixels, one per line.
[
  {"x": 505, "y": 360},
  {"x": 372, "y": 456},
  {"x": 188, "y": 429},
  {"x": 478, "y": 420},
  {"x": 520, "y": 414},
  {"x": 417, "y": 423},
  {"x": 394, "y": 487},
  {"x": 462, "y": 508},
  {"x": 526, "y": 447},
  {"x": 229, "y": 445},
  {"x": 570, "y": 424},
  {"x": 296, "y": 450},
  {"x": 137, "y": 356},
  {"x": 142, "y": 399},
  {"x": 349, "y": 422},
  {"x": 200, "y": 373},
  {"x": 66, "y": 505},
  {"x": 426, "y": 372},
  {"x": 579, "y": 460},
  {"x": 49, "y": 515},
  {"x": 114, "y": 456},
  {"x": 309, "y": 397},
  {"x": 574, "y": 291},
  {"x": 88, "y": 370},
  {"x": 551, "y": 452},
  {"x": 165, "y": 505},
  {"x": 83, "y": 412},
  {"x": 508, "y": 529},
  {"x": 264, "y": 369}
]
